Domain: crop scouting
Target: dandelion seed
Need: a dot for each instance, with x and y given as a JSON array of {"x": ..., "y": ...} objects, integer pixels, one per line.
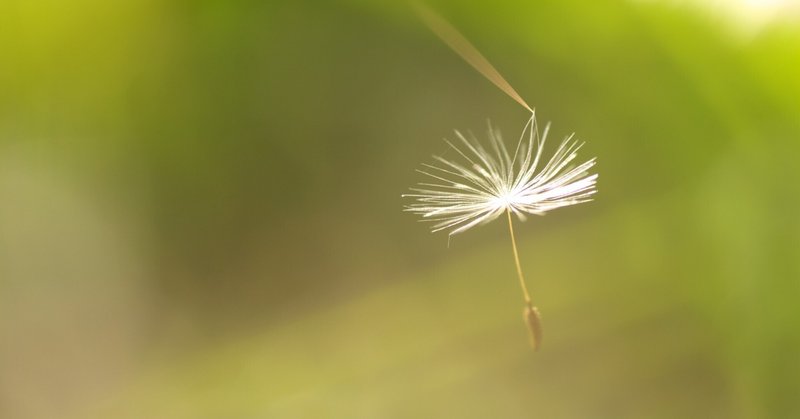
[{"x": 482, "y": 183}]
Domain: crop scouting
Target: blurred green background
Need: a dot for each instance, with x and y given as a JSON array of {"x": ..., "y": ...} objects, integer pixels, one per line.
[{"x": 200, "y": 212}]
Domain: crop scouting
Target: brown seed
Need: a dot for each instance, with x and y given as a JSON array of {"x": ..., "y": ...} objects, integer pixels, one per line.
[{"x": 534, "y": 322}]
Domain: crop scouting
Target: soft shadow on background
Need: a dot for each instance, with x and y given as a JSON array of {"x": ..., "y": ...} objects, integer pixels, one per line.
[{"x": 200, "y": 212}]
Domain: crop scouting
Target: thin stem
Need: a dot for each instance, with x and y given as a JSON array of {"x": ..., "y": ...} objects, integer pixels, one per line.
[
  {"x": 458, "y": 43},
  {"x": 516, "y": 260},
  {"x": 529, "y": 312}
]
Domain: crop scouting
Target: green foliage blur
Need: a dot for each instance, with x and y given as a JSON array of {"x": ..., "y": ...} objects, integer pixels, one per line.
[{"x": 200, "y": 212}]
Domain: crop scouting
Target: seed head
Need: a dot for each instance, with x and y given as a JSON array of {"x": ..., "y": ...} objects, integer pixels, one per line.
[{"x": 480, "y": 184}]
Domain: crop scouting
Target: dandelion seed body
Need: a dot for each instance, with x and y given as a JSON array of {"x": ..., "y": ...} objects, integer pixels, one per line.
[{"x": 480, "y": 185}]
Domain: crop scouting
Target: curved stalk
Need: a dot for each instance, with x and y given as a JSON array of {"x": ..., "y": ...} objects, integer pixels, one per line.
[{"x": 529, "y": 312}]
